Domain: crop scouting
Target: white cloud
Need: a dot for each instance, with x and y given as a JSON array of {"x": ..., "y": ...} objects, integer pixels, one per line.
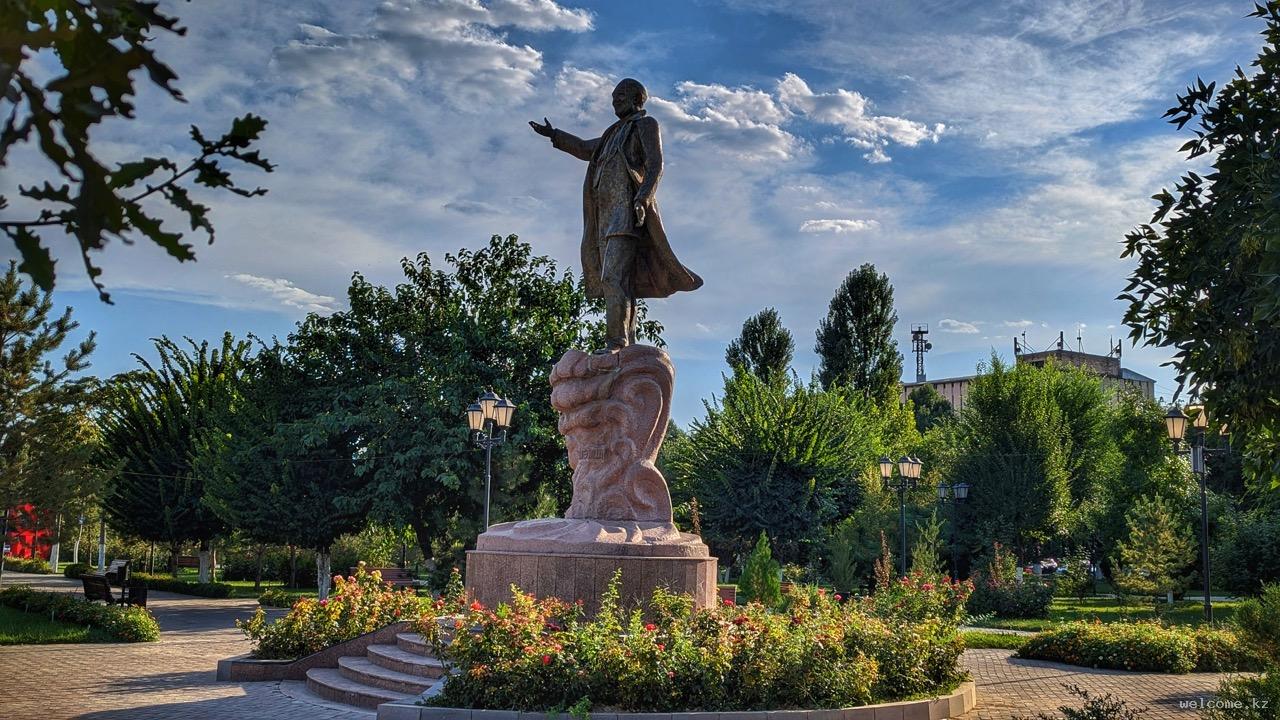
[
  {"x": 848, "y": 110},
  {"x": 957, "y": 326},
  {"x": 286, "y": 293},
  {"x": 837, "y": 226},
  {"x": 451, "y": 46},
  {"x": 1018, "y": 323}
]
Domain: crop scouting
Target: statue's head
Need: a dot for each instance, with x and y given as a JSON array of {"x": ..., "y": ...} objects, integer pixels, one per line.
[{"x": 628, "y": 97}]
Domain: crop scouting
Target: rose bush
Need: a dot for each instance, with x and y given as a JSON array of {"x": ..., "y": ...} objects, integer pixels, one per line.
[
  {"x": 359, "y": 604},
  {"x": 817, "y": 652}
]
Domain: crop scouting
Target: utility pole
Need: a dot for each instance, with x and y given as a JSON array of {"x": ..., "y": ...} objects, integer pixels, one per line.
[{"x": 921, "y": 345}]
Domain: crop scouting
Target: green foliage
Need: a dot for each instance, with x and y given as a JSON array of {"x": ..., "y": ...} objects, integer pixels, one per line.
[
  {"x": 777, "y": 457},
  {"x": 454, "y": 594},
  {"x": 764, "y": 348},
  {"x": 842, "y": 555},
  {"x": 97, "y": 46},
  {"x": 126, "y": 623},
  {"x": 1257, "y": 622},
  {"x": 1103, "y": 707},
  {"x": 918, "y": 597},
  {"x": 1077, "y": 581},
  {"x": 40, "y": 394},
  {"x": 980, "y": 639},
  {"x": 1246, "y": 698},
  {"x": 26, "y": 565},
  {"x": 20, "y": 628},
  {"x": 76, "y": 570},
  {"x": 1155, "y": 557},
  {"x": 359, "y": 604},
  {"x": 184, "y": 587},
  {"x": 537, "y": 655},
  {"x": 929, "y": 407},
  {"x": 855, "y": 341},
  {"x": 926, "y": 554},
  {"x": 997, "y": 590},
  {"x": 760, "y": 582},
  {"x": 152, "y": 420},
  {"x": 1142, "y": 646},
  {"x": 1205, "y": 282},
  {"x": 404, "y": 362},
  {"x": 278, "y": 598},
  {"x": 1246, "y": 550}
]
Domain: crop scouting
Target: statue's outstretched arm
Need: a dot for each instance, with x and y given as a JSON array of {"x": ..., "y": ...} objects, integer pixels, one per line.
[{"x": 574, "y": 145}]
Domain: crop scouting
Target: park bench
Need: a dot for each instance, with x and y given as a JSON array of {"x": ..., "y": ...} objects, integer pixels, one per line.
[
  {"x": 135, "y": 593},
  {"x": 393, "y": 576},
  {"x": 96, "y": 587},
  {"x": 117, "y": 572},
  {"x": 188, "y": 561}
]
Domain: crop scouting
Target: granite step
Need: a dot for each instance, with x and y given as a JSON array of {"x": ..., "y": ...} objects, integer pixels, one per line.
[
  {"x": 393, "y": 657},
  {"x": 361, "y": 670},
  {"x": 332, "y": 685},
  {"x": 412, "y": 642}
]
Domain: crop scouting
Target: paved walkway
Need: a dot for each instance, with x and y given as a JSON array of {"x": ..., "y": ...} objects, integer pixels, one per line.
[{"x": 174, "y": 678}]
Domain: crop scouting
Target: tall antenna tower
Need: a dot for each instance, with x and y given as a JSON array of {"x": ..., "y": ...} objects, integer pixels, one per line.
[{"x": 921, "y": 345}]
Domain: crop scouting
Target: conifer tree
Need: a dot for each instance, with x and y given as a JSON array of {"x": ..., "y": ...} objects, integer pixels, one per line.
[
  {"x": 760, "y": 582},
  {"x": 1154, "y": 557},
  {"x": 764, "y": 348},
  {"x": 855, "y": 341}
]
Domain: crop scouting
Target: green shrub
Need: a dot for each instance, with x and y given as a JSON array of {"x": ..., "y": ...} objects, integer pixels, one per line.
[
  {"x": 359, "y": 604},
  {"x": 185, "y": 587},
  {"x": 125, "y": 622},
  {"x": 1246, "y": 698},
  {"x": 278, "y": 598},
  {"x": 1246, "y": 550},
  {"x": 996, "y": 590},
  {"x": 1142, "y": 646},
  {"x": 76, "y": 570},
  {"x": 1103, "y": 707},
  {"x": 538, "y": 655},
  {"x": 1257, "y": 622},
  {"x": 26, "y": 565},
  {"x": 979, "y": 639},
  {"x": 760, "y": 582}
]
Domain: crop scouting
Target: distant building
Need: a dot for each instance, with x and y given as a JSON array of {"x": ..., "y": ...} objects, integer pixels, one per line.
[{"x": 956, "y": 389}]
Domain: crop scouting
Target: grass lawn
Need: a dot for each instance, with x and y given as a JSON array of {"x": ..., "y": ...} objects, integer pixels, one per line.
[
  {"x": 20, "y": 628},
  {"x": 1184, "y": 612},
  {"x": 975, "y": 639}
]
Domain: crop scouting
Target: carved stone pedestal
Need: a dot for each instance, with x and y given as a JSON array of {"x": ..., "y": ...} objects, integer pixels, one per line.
[{"x": 613, "y": 413}]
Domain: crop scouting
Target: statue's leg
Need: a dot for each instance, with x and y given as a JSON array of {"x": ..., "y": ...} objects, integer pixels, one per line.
[{"x": 618, "y": 264}]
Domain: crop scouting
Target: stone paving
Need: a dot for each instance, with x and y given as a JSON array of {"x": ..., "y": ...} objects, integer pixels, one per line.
[{"x": 174, "y": 678}]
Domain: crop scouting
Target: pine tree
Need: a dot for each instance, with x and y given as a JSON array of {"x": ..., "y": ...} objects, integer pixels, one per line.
[
  {"x": 926, "y": 554},
  {"x": 1154, "y": 558},
  {"x": 760, "y": 582},
  {"x": 764, "y": 348},
  {"x": 855, "y": 341}
]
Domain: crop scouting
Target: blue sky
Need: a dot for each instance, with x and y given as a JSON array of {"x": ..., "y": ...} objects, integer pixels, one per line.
[{"x": 988, "y": 156}]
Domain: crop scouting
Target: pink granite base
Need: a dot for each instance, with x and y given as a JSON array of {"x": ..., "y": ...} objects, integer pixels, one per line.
[{"x": 549, "y": 559}]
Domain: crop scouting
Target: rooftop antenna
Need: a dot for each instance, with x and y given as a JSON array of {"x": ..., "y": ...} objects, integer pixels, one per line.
[
  {"x": 921, "y": 345},
  {"x": 1079, "y": 337},
  {"x": 1060, "y": 339}
]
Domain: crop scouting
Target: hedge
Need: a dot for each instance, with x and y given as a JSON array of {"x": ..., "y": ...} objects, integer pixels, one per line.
[
  {"x": 124, "y": 622},
  {"x": 169, "y": 584},
  {"x": 76, "y": 570},
  {"x": 1142, "y": 646},
  {"x": 26, "y": 565}
]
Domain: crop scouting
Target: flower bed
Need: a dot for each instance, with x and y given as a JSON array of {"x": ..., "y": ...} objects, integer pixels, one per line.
[
  {"x": 127, "y": 623},
  {"x": 1147, "y": 646},
  {"x": 359, "y": 604},
  {"x": 538, "y": 655}
]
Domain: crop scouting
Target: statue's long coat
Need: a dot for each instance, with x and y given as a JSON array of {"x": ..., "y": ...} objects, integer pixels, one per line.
[{"x": 657, "y": 273}]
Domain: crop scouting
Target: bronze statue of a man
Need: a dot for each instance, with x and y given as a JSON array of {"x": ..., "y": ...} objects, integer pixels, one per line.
[{"x": 625, "y": 254}]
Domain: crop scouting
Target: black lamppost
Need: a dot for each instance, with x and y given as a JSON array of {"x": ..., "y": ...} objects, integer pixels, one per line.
[
  {"x": 953, "y": 495},
  {"x": 487, "y": 413},
  {"x": 908, "y": 476},
  {"x": 1176, "y": 425}
]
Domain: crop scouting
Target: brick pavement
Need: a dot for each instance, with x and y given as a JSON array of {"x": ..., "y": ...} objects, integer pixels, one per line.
[{"x": 174, "y": 678}]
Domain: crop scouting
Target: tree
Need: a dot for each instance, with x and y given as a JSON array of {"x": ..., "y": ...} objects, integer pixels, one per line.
[
  {"x": 274, "y": 465},
  {"x": 760, "y": 580},
  {"x": 764, "y": 348},
  {"x": 929, "y": 406},
  {"x": 777, "y": 457},
  {"x": 926, "y": 553},
  {"x": 1207, "y": 279},
  {"x": 99, "y": 44},
  {"x": 36, "y": 393},
  {"x": 152, "y": 420},
  {"x": 405, "y": 362},
  {"x": 855, "y": 341},
  {"x": 1153, "y": 559}
]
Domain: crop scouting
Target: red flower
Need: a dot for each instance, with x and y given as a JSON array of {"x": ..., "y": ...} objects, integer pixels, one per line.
[
  {"x": 927, "y": 586},
  {"x": 546, "y": 659},
  {"x": 324, "y": 602},
  {"x": 671, "y": 674},
  {"x": 839, "y": 597},
  {"x": 740, "y": 620},
  {"x": 821, "y": 592},
  {"x": 728, "y": 602},
  {"x": 661, "y": 647},
  {"x": 475, "y": 605},
  {"x": 650, "y": 627}
]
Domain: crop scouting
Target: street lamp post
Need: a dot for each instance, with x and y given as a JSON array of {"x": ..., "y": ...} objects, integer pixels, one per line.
[
  {"x": 1176, "y": 426},
  {"x": 953, "y": 494},
  {"x": 488, "y": 413},
  {"x": 908, "y": 476}
]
